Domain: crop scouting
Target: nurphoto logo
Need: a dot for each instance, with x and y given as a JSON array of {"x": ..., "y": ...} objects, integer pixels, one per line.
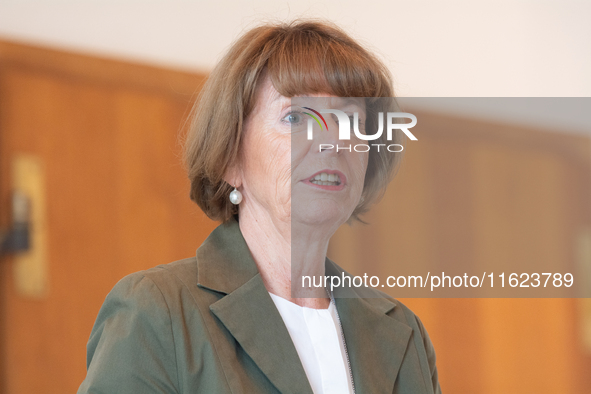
[{"x": 344, "y": 121}]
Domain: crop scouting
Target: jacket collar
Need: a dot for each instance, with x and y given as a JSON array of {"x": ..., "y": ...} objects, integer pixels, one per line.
[
  {"x": 224, "y": 262},
  {"x": 376, "y": 341}
]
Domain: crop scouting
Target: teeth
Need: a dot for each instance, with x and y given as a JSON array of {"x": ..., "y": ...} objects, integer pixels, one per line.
[{"x": 326, "y": 179}]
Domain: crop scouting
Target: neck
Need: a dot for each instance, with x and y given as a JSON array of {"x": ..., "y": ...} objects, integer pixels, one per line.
[{"x": 281, "y": 252}]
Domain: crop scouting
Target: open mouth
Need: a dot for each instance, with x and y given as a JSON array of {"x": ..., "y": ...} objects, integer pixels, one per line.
[{"x": 326, "y": 179}]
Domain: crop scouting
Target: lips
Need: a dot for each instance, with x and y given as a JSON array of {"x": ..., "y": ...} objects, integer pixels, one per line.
[{"x": 327, "y": 180}]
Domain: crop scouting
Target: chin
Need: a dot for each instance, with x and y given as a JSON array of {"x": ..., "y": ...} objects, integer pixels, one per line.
[{"x": 319, "y": 213}]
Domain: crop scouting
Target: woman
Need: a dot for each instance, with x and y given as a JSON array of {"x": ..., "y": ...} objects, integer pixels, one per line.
[{"x": 226, "y": 320}]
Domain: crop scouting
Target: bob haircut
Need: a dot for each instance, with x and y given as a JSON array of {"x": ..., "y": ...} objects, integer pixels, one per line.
[{"x": 300, "y": 58}]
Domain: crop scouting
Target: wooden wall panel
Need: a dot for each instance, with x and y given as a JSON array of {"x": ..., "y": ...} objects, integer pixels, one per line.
[{"x": 117, "y": 197}]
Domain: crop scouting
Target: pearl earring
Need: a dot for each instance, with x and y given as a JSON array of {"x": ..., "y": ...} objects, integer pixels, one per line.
[{"x": 235, "y": 196}]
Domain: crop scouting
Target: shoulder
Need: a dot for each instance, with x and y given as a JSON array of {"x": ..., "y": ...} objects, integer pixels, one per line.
[
  {"x": 149, "y": 298},
  {"x": 161, "y": 281},
  {"x": 136, "y": 322},
  {"x": 144, "y": 317},
  {"x": 167, "y": 291},
  {"x": 149, "y": 291},
  {"x": 177, "y": 271}
]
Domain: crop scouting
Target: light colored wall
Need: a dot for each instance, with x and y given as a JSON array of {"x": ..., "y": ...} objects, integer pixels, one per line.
[{"x": 434, "y": 48}]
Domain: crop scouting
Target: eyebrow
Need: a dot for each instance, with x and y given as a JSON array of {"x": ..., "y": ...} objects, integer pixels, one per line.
[{"x": 287, "y": 102}]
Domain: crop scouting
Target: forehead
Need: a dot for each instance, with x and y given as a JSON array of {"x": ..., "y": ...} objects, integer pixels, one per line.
[
  {"x": 267, "y": 96},
  {"x": 321, "y": 101}
]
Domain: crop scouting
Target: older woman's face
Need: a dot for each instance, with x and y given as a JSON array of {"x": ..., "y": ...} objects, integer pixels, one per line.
[{"x": 280, "y": 166}]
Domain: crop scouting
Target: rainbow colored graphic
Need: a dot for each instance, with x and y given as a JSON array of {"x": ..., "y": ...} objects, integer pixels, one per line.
[{"x": 315, "y": 118}]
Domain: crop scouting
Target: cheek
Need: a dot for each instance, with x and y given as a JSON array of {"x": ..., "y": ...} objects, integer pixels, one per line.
[
  {"x": 359, "y": 164},
  {"x": 268, "y": 168},
  {"x": 298, "y": 152},
  {"x": 279, "y": 162},
  {"x": 359, "y": 170}
]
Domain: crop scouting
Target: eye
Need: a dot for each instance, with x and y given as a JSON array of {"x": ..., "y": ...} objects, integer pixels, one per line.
[
  {"x": 293, "y": 118},
  {"x": 352, "y": 118}
]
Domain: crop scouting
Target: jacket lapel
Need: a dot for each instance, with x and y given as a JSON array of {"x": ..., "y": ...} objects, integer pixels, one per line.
[
  {"x": 376, "y": 342},
  {"x": 225, "y": 265}
]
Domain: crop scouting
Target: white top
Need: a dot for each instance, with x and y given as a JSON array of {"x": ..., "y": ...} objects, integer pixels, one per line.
[{"x": 317, "y": 336}]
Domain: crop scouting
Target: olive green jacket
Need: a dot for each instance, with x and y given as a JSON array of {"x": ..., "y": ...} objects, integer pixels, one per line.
[{"x": 207, "y": 324}]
